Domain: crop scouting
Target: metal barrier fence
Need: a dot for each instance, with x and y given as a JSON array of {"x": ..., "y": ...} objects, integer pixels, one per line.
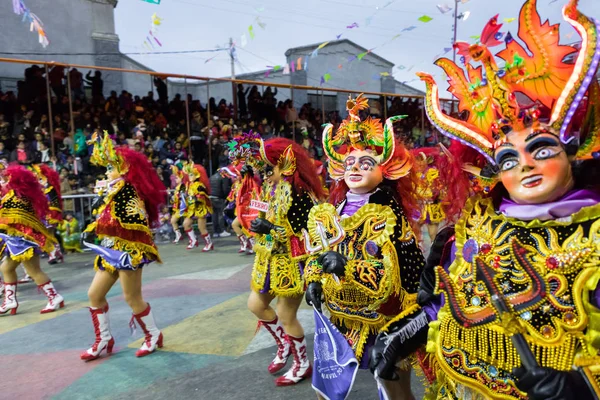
[{"x": 324, "y": 100}]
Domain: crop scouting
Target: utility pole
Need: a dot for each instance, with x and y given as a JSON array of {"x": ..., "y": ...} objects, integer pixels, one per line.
[
  {"x": 454, "y": 40},
  {"x": 233, "y": 85}
]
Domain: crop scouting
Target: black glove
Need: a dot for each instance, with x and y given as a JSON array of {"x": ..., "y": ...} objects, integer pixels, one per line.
[
  {"x": 246, "y": 170},
  {"x": 333, "y": 263},
  {"x": 260, "y": 225},
  {"x": 89, "y": 237},
  {"x": 96, "y": 203},
  {"x": 549, "y": 384},
  {"x": 395, "y": 345},
  {"x": 314, "y": 292}
]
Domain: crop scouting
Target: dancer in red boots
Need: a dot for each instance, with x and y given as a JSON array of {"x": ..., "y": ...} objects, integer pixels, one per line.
[
  {"x": 198, "y": 205},
  {"x": 178, "y": 201},
  {"x": 23, "y": 236},
  {"x": 291, "y": 189},
  {"x": 125, "y": 212}
]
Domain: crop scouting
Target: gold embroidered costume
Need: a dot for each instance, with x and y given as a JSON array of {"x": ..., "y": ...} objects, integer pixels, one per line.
[
  {"x": 281, "y": 253},
  {"x": 18, "y": 220},
  {"x": 547, "y": 270},
  {"x": 383, "y": 269}
]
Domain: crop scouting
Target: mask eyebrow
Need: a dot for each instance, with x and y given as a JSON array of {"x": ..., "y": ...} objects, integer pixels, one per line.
[
  {"x": 367, "y": 158},
  {"x": 539, "y": 142},
  {"x": 537, "y": 133},
  {"x": 503, "y": 154}
]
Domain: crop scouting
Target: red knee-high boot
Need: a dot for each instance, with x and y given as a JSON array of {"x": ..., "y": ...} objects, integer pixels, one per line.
[
  {"x": 104, "y": 339},
  {"x": 301, "y": 368},
  {"x": 154, "y": 337},
  {"x": 283, "y": 347}
]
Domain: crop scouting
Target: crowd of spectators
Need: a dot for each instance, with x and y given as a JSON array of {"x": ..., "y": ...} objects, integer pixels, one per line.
[{"x": 157, "y": 126}]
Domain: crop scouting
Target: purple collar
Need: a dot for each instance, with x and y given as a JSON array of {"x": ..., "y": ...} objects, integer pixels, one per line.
[
  {"x": 354, "y": 202},
  {"x": 567, "y": 205}
]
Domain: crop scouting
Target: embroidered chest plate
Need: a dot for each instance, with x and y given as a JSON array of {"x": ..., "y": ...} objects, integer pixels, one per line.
[{"x": 541, "y": 269}]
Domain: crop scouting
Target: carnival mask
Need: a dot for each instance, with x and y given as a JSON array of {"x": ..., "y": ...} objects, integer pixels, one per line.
[
  {"x": 272, "y": 174},
  {"x": 362, "y": 173},
  {"x": 534, "y": 167},
  {"x": 112, "y": 173}
]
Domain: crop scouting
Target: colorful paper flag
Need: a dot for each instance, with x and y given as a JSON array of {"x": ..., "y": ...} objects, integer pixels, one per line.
[
  {"x": 361, "y": 55},
  {"x": 306, "y": 64},
  {"x": 410, "y": 28},
  {"x": 251, "y": 32},
  {"x": 322, "y": 80},
  {"x": 267, "y": 73},
  {"x": 447, "y": 49},
  {"x": 340, "y": 66},
  {"x": 395, "y": 37},
  {"x": 260, "y": 23},
  {"x": 509, "y": 20},
  {"x": 286, "y": 69},
  {"x": 384, "y": 73},
  {"x": 276, "y": 68},
  {"x": 475, "y": 37},
  {"x": 444, "y": 8},
  {"x": 322, "y": 45},
  {"x": 327, "y": 77},
  {"x": 401, "y": 67},
  {"x": 152, "y": 1},
  {"x": 362, "y": 83},
  {"x": 293, "y": 66},
  {"x": 338, "y": 36},
  {"x": 314, "y": 53},
  {"x": 244, "y": 41},
  {"x": 353, "y": 25},
  {"x": 425, "y": 18},
  {"x": 299, "y": 64}
]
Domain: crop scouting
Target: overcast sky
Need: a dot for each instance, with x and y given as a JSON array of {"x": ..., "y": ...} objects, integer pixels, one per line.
[{"x": 206, "y": 24}]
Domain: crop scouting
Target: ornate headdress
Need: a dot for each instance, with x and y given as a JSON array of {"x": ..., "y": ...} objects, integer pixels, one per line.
[
  {"x": 250, "y": 148},
  {"x": 540, "y": 71},
  {"x": 104, "y": 153},
  {"x": 354, "y": 134}
]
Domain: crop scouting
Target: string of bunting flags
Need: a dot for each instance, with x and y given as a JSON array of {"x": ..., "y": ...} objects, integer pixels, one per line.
[{"x": 35, "y": 22}]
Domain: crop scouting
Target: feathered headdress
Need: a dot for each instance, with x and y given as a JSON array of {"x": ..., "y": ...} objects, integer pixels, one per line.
[
  {"x": 104, "y": 153},
  {"x": 250, "y": 148},
  {"x": 354, "y": 134},
  {"x": 541, "y": 71}
]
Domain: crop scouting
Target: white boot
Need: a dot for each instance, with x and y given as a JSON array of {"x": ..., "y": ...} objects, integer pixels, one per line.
[
  {"x": 55, "y": 300},
  {"x": 301, "y": 368},
  {"x": 283, "y": 347},
  {"x": 193, "y": 240},
  {"x": 177, "y": 236},
  {"x": 208, "y": 244},
  {"x": 10, "y": 302},
  {"x": 154, "y": 337},
  {"x": 104, "y": 339}
]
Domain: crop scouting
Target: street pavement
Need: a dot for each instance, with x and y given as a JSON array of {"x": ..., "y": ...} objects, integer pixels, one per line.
[{"x": 212, "y": 349}]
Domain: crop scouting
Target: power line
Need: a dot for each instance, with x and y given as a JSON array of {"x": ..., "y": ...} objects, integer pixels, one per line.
[{"x": 110, "y": 54}]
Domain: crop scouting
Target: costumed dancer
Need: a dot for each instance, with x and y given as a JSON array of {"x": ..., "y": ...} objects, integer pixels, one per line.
[
  {"x": 520, "y": 309},
  {"x": 50, "y": 181},
  {"x": 178, "y": 200},
  {"x": 365, "y": 259},
  {"x": 23, "y": 235},
  {"x": 125, "y": 212},
  {"x": 198, "y": 205},
  {"x": 244, "y": 190},
  {"x": 432, "y": 166},
  {"x": 290, "y": 190},
  {"x": 70, "y": 233}
]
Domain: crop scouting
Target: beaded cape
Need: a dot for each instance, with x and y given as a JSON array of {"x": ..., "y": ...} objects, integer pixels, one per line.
[
  {"x": 198, "y": 202},
  {"x": 18, "y": 219},
  {"x": 382, "y": 274},
  {"x": 547, "y": 271},
  {"x": 281, "y": 253},
  {"x": 122, "y": 220}
]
